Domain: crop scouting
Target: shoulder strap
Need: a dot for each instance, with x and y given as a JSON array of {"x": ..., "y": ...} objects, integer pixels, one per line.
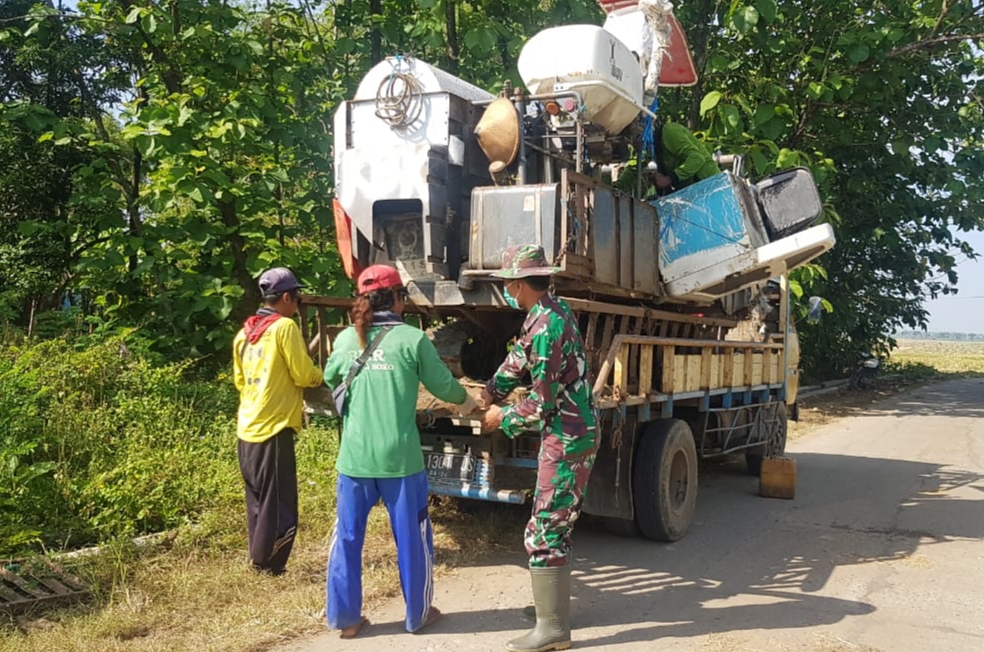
[{"x": 361, "y": 361}]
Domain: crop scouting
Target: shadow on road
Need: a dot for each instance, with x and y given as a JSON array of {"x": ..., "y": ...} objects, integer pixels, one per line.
[{"x": 754, "y": 563}]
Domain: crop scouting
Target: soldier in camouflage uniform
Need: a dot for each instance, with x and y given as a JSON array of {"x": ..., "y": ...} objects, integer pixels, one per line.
[{"x": 560, "y": 407}]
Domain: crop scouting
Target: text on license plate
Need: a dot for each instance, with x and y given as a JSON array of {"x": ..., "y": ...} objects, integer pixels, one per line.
[{"x": 443, "y": 465}]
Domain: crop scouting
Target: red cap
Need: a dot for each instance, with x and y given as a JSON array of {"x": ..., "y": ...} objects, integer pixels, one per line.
[{"x": 379, "y": 277}]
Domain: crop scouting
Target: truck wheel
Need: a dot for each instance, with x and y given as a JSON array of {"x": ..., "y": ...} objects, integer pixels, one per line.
[
  {"x": 621, "y": 527},
  {"x": 775, "y": 441},
  {"x": 664, "y": 480}
]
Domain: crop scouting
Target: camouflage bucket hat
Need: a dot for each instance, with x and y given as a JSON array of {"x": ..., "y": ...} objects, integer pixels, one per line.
[{"x": 521, "y": 261}]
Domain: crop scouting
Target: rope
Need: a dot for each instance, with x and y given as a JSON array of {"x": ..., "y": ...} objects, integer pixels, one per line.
[
  {"x": 649, "y": 132},
  {"x": 399, "y": 98}
]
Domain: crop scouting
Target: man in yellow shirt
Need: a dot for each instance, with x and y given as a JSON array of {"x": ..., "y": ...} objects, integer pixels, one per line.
[{"x": 271, "y": 367}]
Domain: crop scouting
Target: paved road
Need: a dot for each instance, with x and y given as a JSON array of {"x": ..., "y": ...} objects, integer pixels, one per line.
[{"x": 883, "y": 549}]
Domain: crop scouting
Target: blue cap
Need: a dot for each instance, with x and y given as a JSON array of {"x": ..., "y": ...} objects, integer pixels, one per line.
[{"x": 278, "y": 280}]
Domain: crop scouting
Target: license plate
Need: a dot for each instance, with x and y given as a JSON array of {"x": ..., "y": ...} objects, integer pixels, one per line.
[{"x": 450, "y": 467}]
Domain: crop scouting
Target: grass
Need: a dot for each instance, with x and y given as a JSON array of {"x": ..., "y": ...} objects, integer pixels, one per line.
[
  {"x": 197, "y": 592},
  {"x": 913, "y": 363},
  {"x": 946, "y": 358}
]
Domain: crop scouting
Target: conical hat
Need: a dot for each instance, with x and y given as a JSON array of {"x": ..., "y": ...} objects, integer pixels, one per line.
[{"x": 498, "y": 131}]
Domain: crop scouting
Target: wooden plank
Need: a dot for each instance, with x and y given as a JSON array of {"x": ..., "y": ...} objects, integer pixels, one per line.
[
  {"x": 607, "y": 334},
  {"x": 302, "y": 313},
  {"x": 328, "y": 302},
  {"x": 693, "y": 373},
  {"x": 746, "y": 376},
  {"x": 728, "y": 362},
  {"x": 669, "y": 362},
  {"x": 679, "y": 373},
  {"x": 587, "y": 305},
  {"x": 716, "y": 371},
  {"x": 321, "y": 319},
  {"x": 16, "y": 580},
  {"x": 589, "y": 334},
  {"x": 636, "y": 329},
  {"x": 622, "y": 369},
  {"x": 10, "y": 596},
  {"x": 717, "y": 344},
  {"x": 645, "y": 369},
  {"x": 705, "y": 368},
  {"x": 767, "y": 367},
  {"x": 55, "y": 586}
]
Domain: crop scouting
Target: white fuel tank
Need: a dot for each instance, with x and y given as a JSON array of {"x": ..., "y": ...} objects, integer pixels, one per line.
[{"x": 590, "y": 61}]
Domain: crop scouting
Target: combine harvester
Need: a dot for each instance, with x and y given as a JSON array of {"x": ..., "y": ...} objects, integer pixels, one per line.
[{"x": 682, "y": 301}]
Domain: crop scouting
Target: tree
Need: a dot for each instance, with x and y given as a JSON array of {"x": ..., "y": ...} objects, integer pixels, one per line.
[{"x": 883, "y": 104}]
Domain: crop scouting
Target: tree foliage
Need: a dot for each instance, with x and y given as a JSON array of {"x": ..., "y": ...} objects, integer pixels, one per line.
[
  {"x": 176, "y": 148},
  {"x": 883, "y": 104}
]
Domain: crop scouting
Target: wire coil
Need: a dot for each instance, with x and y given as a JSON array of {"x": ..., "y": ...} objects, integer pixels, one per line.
[{"x": 399, "y": 98}]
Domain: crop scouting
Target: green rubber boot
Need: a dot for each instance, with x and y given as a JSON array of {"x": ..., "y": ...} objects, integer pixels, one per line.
[{"x": 552, "y": 599}]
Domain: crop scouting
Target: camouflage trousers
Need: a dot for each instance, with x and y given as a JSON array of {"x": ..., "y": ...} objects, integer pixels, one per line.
[{"x": 560, "y": 484}]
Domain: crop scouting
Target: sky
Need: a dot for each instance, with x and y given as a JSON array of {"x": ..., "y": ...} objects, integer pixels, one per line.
[{"x": 963, "y": 312}]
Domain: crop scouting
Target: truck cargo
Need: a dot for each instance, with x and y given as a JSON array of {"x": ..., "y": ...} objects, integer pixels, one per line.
[{"x": 682, "y": 300}]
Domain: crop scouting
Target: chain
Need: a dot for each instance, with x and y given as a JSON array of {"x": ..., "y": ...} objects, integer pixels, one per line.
[{"x": 617, "y": 428}]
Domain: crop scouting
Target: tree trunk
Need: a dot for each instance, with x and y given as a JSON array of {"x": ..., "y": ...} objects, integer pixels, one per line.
[
  {"x": 375, "y": 39},
  {"x": 451, "y": 25},
  {"x": 240, "y": 272},
  {"x": 699, "y": 38}
]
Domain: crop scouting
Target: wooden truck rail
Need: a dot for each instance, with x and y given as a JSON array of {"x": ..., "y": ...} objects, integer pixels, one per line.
[{"x": 669, "y": 388}]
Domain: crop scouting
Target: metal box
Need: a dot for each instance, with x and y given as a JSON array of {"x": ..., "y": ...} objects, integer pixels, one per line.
[
  {"x": 789, "y": 202},
  {"x": 609, "y": 238},
  {"x": 512, "y": 215}
]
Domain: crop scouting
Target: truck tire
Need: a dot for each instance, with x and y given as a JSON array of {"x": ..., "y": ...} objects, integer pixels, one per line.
[
  {"x": 775, "y": 442},
  {"x": 621, "y": 527},
  {"x": 664, "y": 480}
]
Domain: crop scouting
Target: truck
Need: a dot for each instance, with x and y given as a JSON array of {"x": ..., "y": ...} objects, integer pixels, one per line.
[{"x": 682, "y": 299}]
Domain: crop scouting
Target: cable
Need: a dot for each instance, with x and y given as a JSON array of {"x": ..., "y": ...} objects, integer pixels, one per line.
[{"x": 399, "y": 98}]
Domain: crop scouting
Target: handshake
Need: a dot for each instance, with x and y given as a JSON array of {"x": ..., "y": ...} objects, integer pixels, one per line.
[{"x": 492, "y": 417}]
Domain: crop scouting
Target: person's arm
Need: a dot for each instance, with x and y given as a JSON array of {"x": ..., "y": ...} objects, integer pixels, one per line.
[
  {"x": 530, "y": 413},
  {"x": 238, "y": 377},
  {"x": 683, "y": 144},
  {"x": 338, "y": 362},
  {"x": 435, "y": 375},
  {"x": 301, "y": 367},
  {"x": 510, "y": 372}
]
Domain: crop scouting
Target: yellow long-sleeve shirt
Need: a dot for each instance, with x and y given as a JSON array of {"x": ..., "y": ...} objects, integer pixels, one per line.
[{"x": 271, "y": 376}]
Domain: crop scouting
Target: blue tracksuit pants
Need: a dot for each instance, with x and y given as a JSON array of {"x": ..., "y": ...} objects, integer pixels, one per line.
[{"x": 406, "y": 502}]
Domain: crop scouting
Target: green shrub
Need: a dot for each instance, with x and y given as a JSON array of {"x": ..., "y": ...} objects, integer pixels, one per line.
[{"x": 98, "y": 438}]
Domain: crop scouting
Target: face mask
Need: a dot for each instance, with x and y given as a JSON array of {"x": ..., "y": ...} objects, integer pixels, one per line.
[{"x": 510, "y": 299}]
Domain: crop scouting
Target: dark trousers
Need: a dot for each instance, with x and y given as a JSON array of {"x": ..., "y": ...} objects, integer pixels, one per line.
[{"x": 270, "y": 472}]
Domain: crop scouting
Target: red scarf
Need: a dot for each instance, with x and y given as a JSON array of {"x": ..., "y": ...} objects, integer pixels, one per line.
[{"x": 256, "y": 325}]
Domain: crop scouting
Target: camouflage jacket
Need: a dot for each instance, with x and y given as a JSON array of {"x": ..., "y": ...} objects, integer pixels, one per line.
[{"x": 560, "y": 400}]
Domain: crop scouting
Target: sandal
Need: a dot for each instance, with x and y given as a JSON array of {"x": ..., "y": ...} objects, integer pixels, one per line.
[
  {"x": 433, "y": 615},
  {"x": 353, "y": 630}
]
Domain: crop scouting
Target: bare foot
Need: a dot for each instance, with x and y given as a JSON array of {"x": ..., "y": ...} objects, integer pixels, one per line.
[
  {"x": 433, "y": 615},
  {"x": 353, "y": 631}
]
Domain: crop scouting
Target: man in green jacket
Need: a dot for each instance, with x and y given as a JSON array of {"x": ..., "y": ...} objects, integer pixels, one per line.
[
  {"x": 681, "y": 159},
  {"x": 380, "y": 455}
]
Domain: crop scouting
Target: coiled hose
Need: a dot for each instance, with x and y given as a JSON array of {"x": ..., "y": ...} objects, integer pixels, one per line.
[{"x": 399, "y": 98}]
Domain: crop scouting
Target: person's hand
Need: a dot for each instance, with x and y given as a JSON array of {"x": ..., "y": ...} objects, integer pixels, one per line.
[
  {"x": 485, "y": 400},
  {"x": 492, "y": 419},
  {"x": 662, "y": 180},
  {"x": 469, "y": 406}
]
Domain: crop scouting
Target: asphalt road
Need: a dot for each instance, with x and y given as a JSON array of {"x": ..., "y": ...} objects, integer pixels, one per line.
[{"x": 882, "y": 549}]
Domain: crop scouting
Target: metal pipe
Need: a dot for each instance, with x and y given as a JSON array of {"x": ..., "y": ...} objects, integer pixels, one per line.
[
  {"x": 544, "y": 96},
  {"x": 478, "y": 493},
  {"x": 520, "y": 104}
]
